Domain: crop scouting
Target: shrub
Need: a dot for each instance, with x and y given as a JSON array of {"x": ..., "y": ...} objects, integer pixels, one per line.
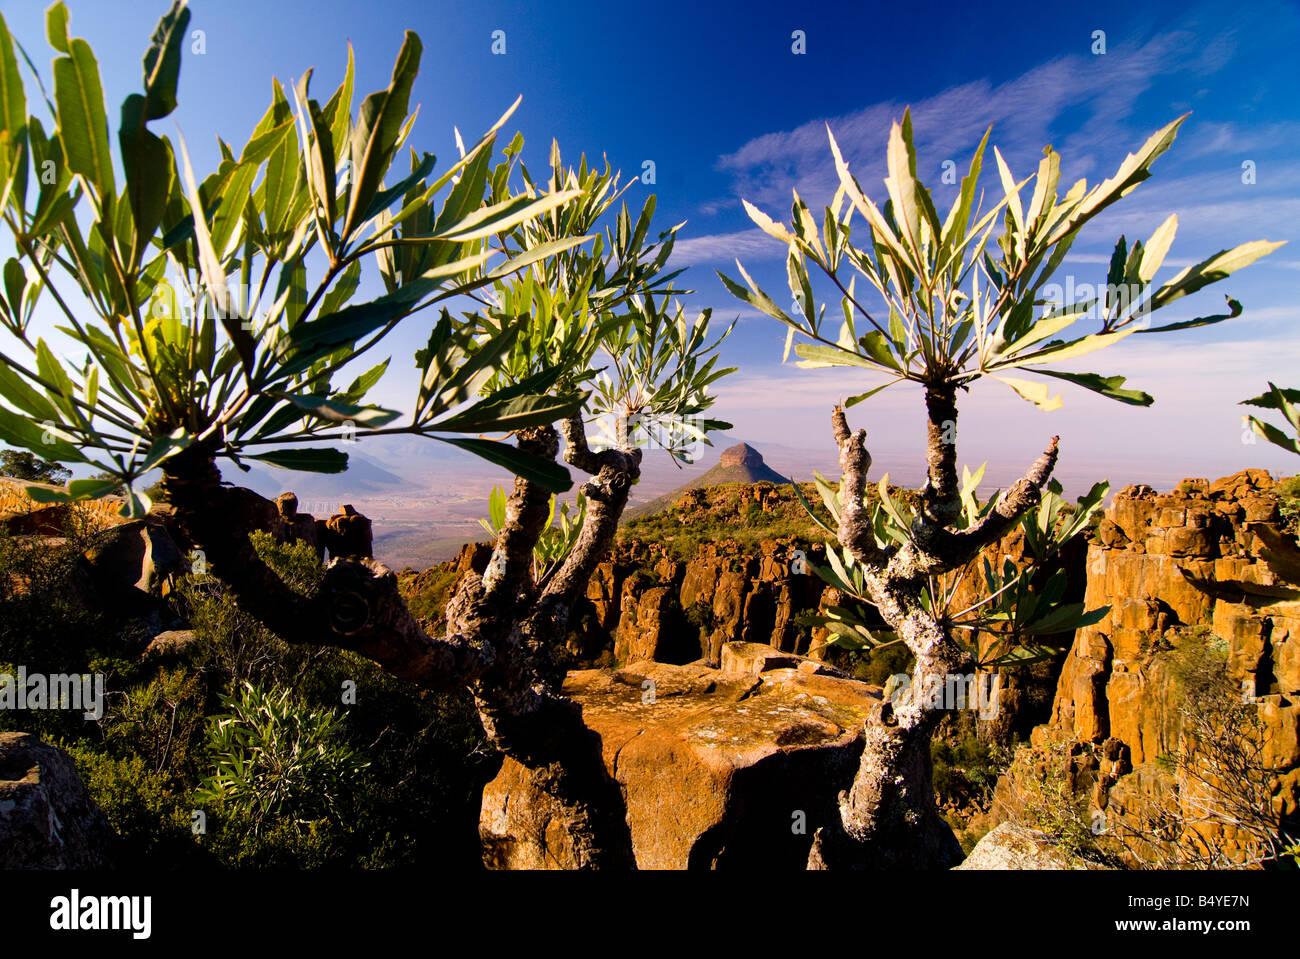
[
  {"x": 150, "y": 815},
  {"x": 277, "y": 759}
]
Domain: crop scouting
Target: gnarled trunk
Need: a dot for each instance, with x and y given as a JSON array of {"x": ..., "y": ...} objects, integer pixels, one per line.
[
  {"x": 888, "y": 819},
  {"x": 501, "y": 637}
]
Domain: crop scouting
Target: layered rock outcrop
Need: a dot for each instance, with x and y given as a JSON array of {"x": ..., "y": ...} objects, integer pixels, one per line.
[{"x": 1183, "y": 574}]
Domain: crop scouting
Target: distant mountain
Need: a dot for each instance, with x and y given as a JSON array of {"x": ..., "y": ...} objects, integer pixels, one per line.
[{"x": 739, "y": 464}]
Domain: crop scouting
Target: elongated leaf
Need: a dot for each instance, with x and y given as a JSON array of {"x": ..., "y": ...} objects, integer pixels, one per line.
[
  {"x": 1272, "y": 400},
  {"x": 306, "y": 460},
  {"x": 13, "y": 101},
  {"x": 1234, "y": 310},
  {"x": 214, "y": 277},
  {"x": 1111, "y": 386},
  {"x": 1153, "y": 255},
  {"x": 815, "y": 355},
  {"x": 162, "y": 61},
  {"x": 379, "y": 121},
  {"x": 88, "y": 489},
  {"x": 1036, "y": 393},
  {"x": 500, "y": 217},
  {"x": 83, "y": 124},
  {"x": 547, "y": 474},
  {"x": 1211, "y": 270},
  {"x": 337, "y": 411}
]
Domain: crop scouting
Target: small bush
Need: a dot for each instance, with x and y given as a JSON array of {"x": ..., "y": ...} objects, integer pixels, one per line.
[{"x": 276, "y": 759}]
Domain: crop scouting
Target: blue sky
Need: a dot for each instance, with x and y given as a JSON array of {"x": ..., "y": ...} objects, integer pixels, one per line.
[{"x": 718, "y": 100}]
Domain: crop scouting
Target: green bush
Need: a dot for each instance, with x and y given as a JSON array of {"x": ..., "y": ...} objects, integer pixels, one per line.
[
  {"x": 151, "y": 816},
  {"x": 1288, "y": 496},
  {"x": 278, "y": 759}
]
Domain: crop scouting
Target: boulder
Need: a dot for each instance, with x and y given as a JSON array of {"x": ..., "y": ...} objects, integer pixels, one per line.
[
  {"x": 135, "y": 562},
  {"x": 348, "y": 533},
  {"x": 719, "y": 769},
  {"x": 47, "y": 819},
  {"x": 1010, "y": 846},
  {"x": 170, "y": 644}
]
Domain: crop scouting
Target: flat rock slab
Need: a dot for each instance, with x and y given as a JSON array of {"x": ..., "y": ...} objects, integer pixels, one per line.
[{"x": 718, "y": 769}]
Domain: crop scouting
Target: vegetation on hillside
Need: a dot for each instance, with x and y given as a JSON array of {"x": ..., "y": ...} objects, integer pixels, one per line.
[{"x": 249, "y": 731}]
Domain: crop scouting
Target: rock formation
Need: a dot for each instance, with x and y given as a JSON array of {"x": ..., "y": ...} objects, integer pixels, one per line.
[
  {"x": 47, "y": 820},
  {"x": 1179, "y": 570},
  {"x": 721, "y": 769}
]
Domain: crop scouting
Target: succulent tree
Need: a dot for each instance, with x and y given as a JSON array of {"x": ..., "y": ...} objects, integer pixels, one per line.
[
  {"x": 950, "y": 303},
  {"x": 175, "y": 365}
]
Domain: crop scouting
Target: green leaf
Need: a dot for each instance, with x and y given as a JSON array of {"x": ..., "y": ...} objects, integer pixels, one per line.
[
  {"x": 20, "y": 432},
  {"x": 547, "y": 474},
  {"x": 1036, "y": 393},
  {"x": 214, "y": 277},
  {"x": 149, "y": 167},
  {"x": 83, "y": 124},
  {"x": 17, "y": 391},
  {"x": 757, "y": 299},
  {"x": 858, "y": 398},
  {"x": 56, "y": 26},
  {"x": 162, "y": 61},
  {"x": 1153, "y": 254},
  {"x": 500, "y": 217},
  {"x": 1272, "y": 400},
  {"x": 889, "y": 506},
  {"x": 379, "y": 121},
  {"x": 13, "y": 101},
  {"x": 39, "y": 494},
  {"x": 306, "y": 460},
  {"x": 1234, "y": 310},
  {"x": 336, "y": 411},
  {"x": 1211, "y": 270},
  {"x": 1110, "y": 386},
  {"x": 88, "y": 489},
  {"x": 495, "y": 414},
  {"x": 534, "y": 254},
  {"x": 814, "y": 355}
]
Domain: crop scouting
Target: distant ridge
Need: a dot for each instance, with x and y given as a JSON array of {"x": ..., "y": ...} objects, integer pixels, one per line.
[{"x": 739, "y": 464}]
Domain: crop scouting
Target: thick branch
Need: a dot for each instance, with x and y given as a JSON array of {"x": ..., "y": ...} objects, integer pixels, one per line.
[
  {"x": 576, "y": 452},
  {"x": 357, "y": 605},
  {"x": 510, "y": 572},
  {"x": 939, "y": 550},
  {"x": 613, "y": 473},
  {"x": 855, "y": 532}
]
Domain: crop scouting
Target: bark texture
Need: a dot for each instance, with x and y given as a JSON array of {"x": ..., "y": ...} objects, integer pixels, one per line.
[{"x": 888, "y": 819}]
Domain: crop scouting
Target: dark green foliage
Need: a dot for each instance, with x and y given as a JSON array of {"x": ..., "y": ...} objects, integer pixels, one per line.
[
  {"x": 148, "y": 809},
  {"x": 414, "y": 804},
  {"x": 22, "y": 465},
  {"x": 965, "y": 770}
]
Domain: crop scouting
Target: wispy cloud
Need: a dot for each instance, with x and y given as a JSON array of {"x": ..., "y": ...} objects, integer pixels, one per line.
[{"x": 1084, "y": 104}]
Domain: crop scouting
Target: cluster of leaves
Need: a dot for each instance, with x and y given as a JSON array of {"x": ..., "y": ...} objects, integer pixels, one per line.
[
  {"x": 1283, "y": 400},
  {"x": 557, "y": 539},
  {"x": 238, "y": 373},
  {"x": 1019, "y": 605},
  {"x": 275, "y": 756},
  {"x": 22, "y": 465},
  {"x": 931, "y": 330}
]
